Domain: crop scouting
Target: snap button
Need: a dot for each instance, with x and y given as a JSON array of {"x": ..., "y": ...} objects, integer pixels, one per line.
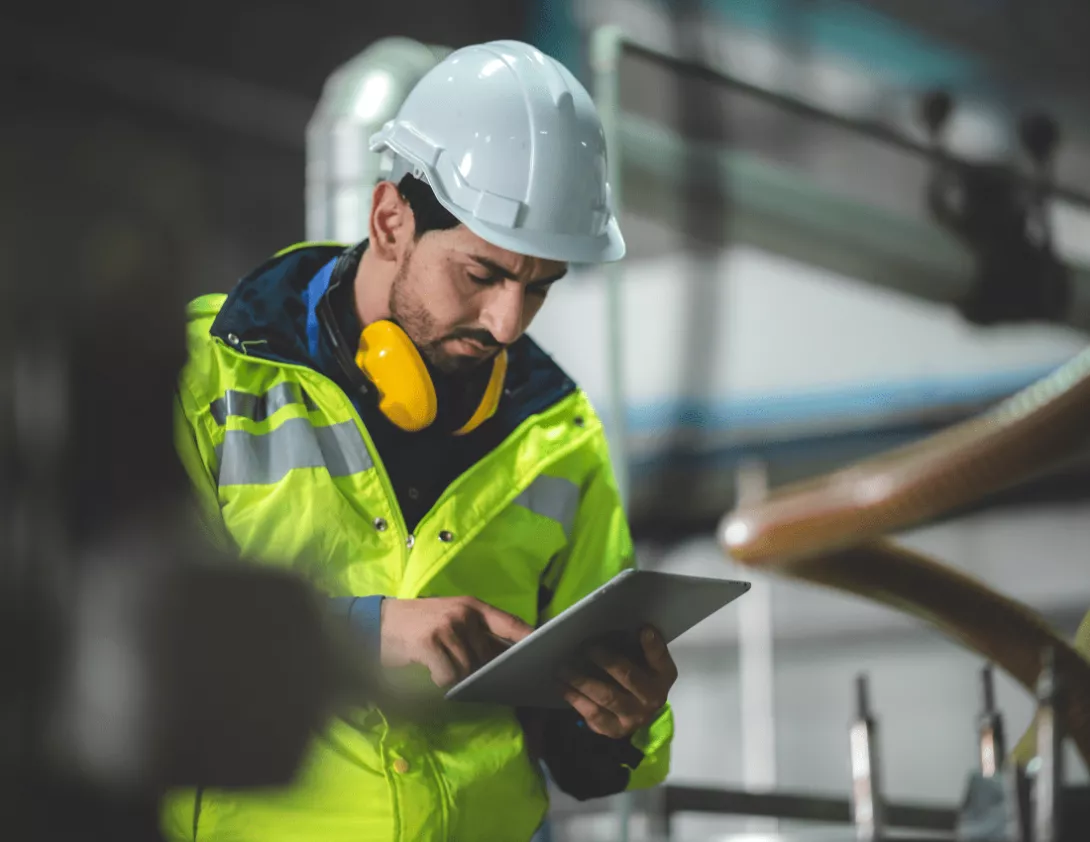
[
  {"x": 410, "y": 541},
  {"x": 232, "y": 339},
  {"x": 446, "y": 537},
  {"x": 401, "y": 765},
  {"x": 578, "y": 421},
  {"x": 413, "y": 494},
  {"x": 380, "y": 524}
]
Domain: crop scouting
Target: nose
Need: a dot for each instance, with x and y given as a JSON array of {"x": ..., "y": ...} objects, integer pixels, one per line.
[{"x": 503, "y": 314}]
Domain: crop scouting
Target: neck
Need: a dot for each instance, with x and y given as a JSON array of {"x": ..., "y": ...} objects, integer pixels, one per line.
[{"x": 373, "y": 296}]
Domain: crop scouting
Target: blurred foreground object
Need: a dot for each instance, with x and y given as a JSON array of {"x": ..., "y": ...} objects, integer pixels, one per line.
[
  {"x": 129, "y": 666},
  {"x": 358, "y": 98}
]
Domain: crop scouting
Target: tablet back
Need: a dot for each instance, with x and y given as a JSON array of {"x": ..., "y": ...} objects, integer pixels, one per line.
[{"x": 524, "y": 675}]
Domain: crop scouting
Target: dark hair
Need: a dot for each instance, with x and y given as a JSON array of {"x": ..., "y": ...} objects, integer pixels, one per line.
[{"x": 428, "y": 213}]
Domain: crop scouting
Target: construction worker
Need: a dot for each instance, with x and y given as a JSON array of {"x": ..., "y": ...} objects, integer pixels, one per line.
[{"x": 376, "y": 418}]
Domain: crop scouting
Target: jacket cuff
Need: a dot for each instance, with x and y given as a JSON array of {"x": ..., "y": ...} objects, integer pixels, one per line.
[
  {"x": 363, "y": 614},
  {"x": 585, "y": 764}
]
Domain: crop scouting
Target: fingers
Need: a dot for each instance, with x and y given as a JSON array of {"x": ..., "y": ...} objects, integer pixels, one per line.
[
  {"x": 483, "y": 645},
  {"x": 598, "y": 719},
  {"x": 607, "y": 708},
  {"x": 459, "y": 651},
  {"x": 641, "y": 684},
  {"x": 441, "y": 665},
  {"x": 502, "y": 624},
  {"x": 605, "y": 693},
  {"x": 657, "y": 655}
]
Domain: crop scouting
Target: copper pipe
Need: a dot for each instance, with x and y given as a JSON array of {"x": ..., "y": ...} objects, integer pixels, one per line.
[
  {"x": 998, "y": 628},
  {"x": 1021, "y": 436}
]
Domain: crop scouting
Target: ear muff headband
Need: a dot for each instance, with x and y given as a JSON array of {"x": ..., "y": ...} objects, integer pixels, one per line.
[{"x": 490, "y": 400}]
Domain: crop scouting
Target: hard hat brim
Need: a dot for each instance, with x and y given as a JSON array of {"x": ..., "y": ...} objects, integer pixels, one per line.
[{"x": 605, "y": 248}]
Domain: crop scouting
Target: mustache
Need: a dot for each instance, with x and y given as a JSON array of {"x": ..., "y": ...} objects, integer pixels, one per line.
[{"x": 479, "y": 335}]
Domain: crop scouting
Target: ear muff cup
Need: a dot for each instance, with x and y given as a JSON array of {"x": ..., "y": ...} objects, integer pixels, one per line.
[{"x": 407, "y": 396}]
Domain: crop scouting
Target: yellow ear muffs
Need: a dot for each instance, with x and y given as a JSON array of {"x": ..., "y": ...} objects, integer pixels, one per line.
[
  {"x": 490, "y": 401},
  {"x": 390, "y": 360},
  {"x": 393, "y": 364}
]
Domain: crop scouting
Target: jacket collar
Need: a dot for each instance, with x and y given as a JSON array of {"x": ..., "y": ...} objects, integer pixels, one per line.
[{"x": 266, "y": 315}]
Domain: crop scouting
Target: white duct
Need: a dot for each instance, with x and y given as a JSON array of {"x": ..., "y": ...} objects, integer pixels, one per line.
[{"x": 357, "y": 99}]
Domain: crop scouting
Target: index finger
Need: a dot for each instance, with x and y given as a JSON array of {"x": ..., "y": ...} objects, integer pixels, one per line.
[{"x": 502, "y": 624}]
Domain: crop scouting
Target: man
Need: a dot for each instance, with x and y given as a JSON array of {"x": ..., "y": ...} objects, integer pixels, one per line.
[{"x": 375, "y": 418}]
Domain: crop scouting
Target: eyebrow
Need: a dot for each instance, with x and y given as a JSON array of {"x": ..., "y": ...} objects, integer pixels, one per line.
[{"x": 503, "y": 272}]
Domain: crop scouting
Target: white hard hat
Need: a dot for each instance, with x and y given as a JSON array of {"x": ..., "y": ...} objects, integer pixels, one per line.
[{"x": 512, "y": 146}]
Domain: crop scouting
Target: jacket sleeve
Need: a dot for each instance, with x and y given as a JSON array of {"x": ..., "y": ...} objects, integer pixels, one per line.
[
  {"x": 361, "y": 613},
  {"x": 197, "y": 456},
  {"x": 582, "y": 763}
]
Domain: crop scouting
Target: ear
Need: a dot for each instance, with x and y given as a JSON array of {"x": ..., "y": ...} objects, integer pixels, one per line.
[{"x": 392, "y": 225}]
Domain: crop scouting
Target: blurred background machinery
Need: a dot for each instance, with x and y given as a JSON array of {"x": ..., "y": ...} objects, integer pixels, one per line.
[{"x": 851, "y": 225}]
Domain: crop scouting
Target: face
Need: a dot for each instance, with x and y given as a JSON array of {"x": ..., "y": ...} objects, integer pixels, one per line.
[{"x": 462, "y": 300}]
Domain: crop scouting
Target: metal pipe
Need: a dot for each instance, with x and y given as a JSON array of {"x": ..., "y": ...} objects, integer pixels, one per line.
[
  {"x": 755, "y": 663},
  {"x": 671, "y": 799},
  {"x": 990, "y": 728},
  {"x": 607, "y": 43},
  {"x": 1048, "y": 784},
  {"x": 868, "y": 814},
  {"x": 864, "y": 128}
]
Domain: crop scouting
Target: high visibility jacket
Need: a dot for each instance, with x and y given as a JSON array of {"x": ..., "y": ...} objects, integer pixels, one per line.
[{"x": 286, "y": 468}]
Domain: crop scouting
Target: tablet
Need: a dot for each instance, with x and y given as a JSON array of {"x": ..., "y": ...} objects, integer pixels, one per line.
[{"x": 524, "y": 675}]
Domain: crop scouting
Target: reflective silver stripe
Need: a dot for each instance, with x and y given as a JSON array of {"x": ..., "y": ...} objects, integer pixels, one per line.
[
  {"x": 554, "y": 498},
  {"x": 252, "y": 459},
  {"x": 258, "y": 407}
]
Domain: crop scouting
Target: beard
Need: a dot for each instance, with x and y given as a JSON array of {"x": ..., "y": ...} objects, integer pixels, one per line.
[{"x": 407, "y": 310}]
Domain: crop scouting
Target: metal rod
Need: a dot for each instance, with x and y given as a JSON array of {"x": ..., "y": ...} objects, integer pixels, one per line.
[
  {"x": 800, "y": 807},
  {"x": 756, "y": 660},
  {"x": 867, "y": 808},
  {"x": 607, "y": 43},
  {"x": 1015, "y": 790},
  {"x": 1048, "y": 786},
  {"x": 990, "y": 728},
  {"x": 864, "y": 128}
]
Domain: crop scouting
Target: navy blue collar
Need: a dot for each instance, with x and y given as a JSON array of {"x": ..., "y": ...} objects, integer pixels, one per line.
[{"x": 317, "y": 287}]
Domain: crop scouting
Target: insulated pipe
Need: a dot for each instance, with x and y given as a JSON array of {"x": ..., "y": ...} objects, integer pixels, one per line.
[
  {"x": 357, "y": 99},
  {"x": 1021, "y": 436}
]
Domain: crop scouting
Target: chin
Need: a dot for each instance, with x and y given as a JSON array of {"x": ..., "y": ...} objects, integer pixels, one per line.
[{"x": 460, "y": 365}]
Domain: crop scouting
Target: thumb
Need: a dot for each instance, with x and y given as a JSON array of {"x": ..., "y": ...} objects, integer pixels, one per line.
[{"x": 504, "y": 625}]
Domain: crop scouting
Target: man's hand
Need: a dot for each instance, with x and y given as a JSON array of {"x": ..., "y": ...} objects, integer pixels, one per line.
[
  {"x": 633, "y": 694},
  {"x": 451, "y": 636}
]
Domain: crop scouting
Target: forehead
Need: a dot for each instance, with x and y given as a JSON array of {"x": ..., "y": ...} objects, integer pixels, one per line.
[{"x": 467, "y": 247}]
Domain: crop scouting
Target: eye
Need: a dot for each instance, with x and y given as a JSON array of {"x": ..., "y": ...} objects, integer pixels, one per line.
[
  {"x": 485, "y": 281},
  {"x": 540, "y": 291}
]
